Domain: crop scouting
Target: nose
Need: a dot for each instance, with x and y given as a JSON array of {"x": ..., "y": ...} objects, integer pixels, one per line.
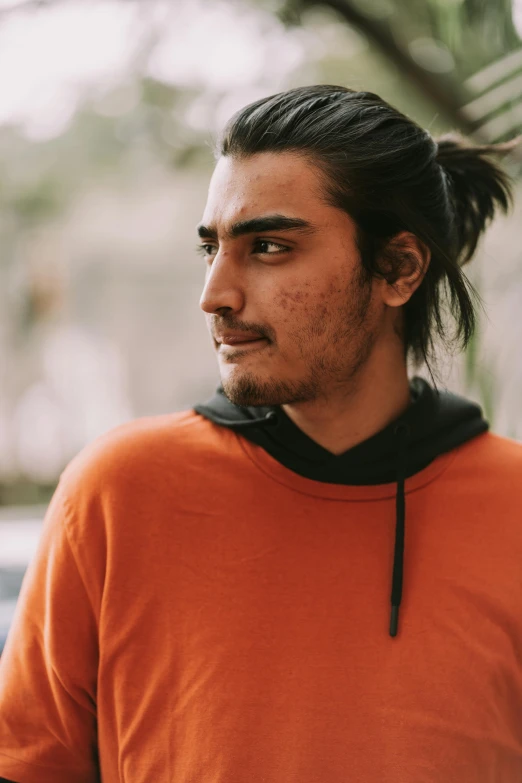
[{"x": 222, "y": 286}]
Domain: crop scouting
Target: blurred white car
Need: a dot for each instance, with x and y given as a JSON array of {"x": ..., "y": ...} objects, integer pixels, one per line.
[{"x": 19, "y": 533}]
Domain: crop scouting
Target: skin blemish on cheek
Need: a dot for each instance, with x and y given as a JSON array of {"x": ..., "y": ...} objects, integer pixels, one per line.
[
  {"x": 289, "y": 297},
  {"x": 282, "y": 301},
  {"x": 335, "y": 287},
  {"x": 296, "y": 296}
]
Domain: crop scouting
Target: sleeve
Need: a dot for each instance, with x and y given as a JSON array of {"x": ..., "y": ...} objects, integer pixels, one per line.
[{"x": 48, "y": 669}]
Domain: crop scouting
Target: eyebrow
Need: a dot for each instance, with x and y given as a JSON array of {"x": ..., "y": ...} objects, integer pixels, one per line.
[{"x": 258, "y": 225}]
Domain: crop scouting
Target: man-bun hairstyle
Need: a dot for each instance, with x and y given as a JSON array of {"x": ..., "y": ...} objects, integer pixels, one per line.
[
  {"x": 389, "y": 175},
  {"x": 477, "y": 186}
]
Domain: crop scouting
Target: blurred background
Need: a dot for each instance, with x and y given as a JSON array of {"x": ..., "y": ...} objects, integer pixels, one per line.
[{"x": 108, "y": 114}]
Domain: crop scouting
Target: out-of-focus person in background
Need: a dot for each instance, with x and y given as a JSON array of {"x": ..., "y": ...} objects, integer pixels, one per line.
[{"x": 317, "y": 574}]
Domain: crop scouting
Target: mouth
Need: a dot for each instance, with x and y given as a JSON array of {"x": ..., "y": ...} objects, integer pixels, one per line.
[{"x": 242, "y": 345}]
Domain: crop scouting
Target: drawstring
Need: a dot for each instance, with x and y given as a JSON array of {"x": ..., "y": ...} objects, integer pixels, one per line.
[{"x": 402, "y": 432}]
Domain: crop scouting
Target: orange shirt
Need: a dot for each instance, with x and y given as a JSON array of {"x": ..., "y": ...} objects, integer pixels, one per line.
[{"x": 198, "y": 613}]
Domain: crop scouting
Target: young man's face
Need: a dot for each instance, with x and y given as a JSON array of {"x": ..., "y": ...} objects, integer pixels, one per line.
[{"x": 297, "y": 286}]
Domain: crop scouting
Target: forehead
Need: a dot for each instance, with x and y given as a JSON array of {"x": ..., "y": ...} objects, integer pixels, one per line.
[{"x": 266, "y": 183}]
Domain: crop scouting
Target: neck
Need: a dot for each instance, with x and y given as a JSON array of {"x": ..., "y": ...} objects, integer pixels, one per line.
[{"x": 340, "y": 420}]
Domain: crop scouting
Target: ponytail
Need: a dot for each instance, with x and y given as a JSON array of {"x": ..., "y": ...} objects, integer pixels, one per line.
[{"x": 477, "y": 187}]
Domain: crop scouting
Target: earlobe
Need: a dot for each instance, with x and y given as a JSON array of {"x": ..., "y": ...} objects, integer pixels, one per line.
[{"x": 397, "y": 294}]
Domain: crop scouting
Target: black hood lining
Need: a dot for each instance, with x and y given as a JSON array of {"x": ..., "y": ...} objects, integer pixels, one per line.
[{"x": 433, "y": 423}]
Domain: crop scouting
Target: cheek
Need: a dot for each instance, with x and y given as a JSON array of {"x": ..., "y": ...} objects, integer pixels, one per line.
[
  {"x": 292, "y": 300},
  {"x": 304, "y": 298},
  {"x": 304, "y": 308}
]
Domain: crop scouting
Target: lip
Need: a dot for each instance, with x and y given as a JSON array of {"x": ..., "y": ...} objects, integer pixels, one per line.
[{"x": 243, "y": 345}]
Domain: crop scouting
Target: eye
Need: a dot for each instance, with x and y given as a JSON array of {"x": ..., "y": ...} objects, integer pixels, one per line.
[
  {"x": 205, "y": 249},
  {"x": 262, "y": 244},
  {"x": 260, "y": 247}
]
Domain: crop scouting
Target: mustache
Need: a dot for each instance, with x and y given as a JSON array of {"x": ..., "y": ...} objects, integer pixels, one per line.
[{"x": 219, "y": 325}]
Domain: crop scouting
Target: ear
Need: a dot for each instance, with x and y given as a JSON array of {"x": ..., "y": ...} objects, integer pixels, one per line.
[{"x": 407, "y": 258}]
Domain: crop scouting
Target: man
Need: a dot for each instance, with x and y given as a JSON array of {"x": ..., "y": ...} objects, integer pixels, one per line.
[{"x": 210, "y": 600}]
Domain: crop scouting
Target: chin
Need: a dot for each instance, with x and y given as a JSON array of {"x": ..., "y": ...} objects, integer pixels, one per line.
[{"x": 247, "y": 390}]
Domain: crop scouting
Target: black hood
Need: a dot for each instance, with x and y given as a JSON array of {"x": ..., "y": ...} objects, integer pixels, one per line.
[{"x": 434, "y": 423}]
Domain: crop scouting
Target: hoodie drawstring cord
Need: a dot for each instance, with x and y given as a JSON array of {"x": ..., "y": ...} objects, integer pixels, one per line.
[{"x": 402, "y": 433}]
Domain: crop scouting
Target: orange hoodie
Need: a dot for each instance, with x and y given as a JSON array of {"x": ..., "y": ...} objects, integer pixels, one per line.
[{"x": 197, "y": 612}]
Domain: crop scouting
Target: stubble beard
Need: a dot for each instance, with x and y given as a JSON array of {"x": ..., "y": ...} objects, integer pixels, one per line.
[{"x": 351, "y": 332}]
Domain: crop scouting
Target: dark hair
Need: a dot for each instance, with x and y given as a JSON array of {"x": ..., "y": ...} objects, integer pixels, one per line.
[{"x": 389, "y": 175}]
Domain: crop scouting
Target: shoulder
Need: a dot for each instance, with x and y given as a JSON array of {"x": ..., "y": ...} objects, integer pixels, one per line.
[
  {"x": 492, "y": 457},
  {"x": 144, "y": 452},
  {"x": 498, "y": 447}
]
